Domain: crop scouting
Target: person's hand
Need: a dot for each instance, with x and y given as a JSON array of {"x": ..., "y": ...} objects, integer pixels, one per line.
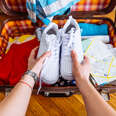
[
  {"x": 32, "y": 60},
  {"x": 35, "y": 64},
  {"x": 81, "y": 71}
]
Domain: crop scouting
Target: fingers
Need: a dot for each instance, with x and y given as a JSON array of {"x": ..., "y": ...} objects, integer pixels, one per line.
[
  {"x": 39, "y": 62},
  {"x": 86, "y": 61},
  {"x": 75, "y": 58},
  {"x": 44, "y": 56},
  {"x": 32, "y": 55},
  {"x": 76, "y": 62}
]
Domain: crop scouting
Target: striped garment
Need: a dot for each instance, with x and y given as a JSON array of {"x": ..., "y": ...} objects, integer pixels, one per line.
[{"x": 45, "y": 10}]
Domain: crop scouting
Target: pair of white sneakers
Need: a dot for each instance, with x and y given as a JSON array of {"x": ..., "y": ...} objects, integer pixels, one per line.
[{"x": 60, "y": 43}]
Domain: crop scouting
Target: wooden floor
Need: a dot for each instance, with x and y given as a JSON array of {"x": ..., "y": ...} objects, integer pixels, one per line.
[{"x": 71, "y": 106}]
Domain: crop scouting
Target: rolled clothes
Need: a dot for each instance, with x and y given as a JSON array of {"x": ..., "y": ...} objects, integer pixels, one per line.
[
  {"x": 93, "y": 29},
  {"x": 45, "y": 10}
]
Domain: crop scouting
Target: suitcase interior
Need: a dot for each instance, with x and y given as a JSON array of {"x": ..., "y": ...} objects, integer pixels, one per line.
[{"x": 18, "y": 24}]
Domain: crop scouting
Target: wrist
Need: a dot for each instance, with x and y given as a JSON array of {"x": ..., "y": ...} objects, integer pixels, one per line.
[
  {"x": 32, "y": 74},
  {"x": 28, "y": 79},
  {"x": 82, "y": 82},
  {"x": 35, "y": 70}
]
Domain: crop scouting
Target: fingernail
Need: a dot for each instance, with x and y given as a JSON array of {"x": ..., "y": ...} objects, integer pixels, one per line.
[{"x": 72, "y": 51}]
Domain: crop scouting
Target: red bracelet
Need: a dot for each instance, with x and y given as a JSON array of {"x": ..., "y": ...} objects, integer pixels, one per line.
[{"x": 27, "y": 84}]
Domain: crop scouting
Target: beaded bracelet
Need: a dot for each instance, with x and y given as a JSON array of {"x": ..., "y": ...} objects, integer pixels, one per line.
[{"x": 26, "y": 84}]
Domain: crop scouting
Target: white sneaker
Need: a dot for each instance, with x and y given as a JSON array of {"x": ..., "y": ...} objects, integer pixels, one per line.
[
  {"x": 71, "y": 40},
  {"x": 50, "y": 41}
]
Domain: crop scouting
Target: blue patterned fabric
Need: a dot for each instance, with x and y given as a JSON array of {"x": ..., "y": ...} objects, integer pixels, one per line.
[{"x": 45, "y": 10}]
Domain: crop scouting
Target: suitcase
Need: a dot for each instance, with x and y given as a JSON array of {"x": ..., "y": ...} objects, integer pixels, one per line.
[{"x": 16, "y": 24}]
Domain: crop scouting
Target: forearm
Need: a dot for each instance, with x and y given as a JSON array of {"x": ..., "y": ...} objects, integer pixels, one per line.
[
  {"x": 15, "y": 104},
  {"x": 94, "y": 103}
]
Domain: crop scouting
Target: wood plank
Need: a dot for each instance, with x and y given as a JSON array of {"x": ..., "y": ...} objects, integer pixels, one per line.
[
  {"x": 1, "y": 96},
  {"x": 46, "y": 106}
]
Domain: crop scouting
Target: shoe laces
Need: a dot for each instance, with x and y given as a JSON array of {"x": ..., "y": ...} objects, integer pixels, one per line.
[
  {"x": 53, "y": 43},
  {"x": 69, "y": 41}
]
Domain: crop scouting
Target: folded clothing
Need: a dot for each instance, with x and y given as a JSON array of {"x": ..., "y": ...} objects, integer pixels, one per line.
[
  {"x": 103, "y": 38},
  {"x": 45, "y": 10},
  {"x": 15, "y": 62},
  {"x": 93, "y": 29},
  {"x": 19, "y": 40}
]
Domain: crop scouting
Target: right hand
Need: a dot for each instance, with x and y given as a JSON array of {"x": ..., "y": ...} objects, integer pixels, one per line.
[{"x": 81, "y": 71}]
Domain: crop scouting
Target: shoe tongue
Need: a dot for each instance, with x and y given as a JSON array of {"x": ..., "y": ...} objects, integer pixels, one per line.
[
  {"x": 52, "y": 31},
  {"x": 72, "y": 30},
  {"x": 68, "y": 33},
  {"x": 52, "y": 34}
]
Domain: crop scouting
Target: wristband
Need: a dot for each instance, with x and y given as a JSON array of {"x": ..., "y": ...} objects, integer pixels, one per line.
[
  {"x": 26, "y": 84},
  {"x": 32, "y": 74}
]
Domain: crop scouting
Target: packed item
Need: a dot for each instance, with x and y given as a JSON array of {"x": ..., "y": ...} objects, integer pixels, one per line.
[
  {"x": 93, "y": 29},
  {"x": 104, "y": 71},
  {"x": 96, "y": 49},
  {"x": 112, "y": 49},
  {"x": 45, "y": 10},
  {"x": 60, "y": 42},
  {"x": 71, "y": 40},
  {"x": 15, "y": 62},
  {"x": 19, "y": 40},
  {"x": 103, "y": 61},
  {"x": 50, "y": 41},
  {"x": 103, "y": 38}
]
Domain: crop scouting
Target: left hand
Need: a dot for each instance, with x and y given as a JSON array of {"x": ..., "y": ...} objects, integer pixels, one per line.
[
  {"x": 32, "y": 60},
  {"x": 35, "y": 64}
]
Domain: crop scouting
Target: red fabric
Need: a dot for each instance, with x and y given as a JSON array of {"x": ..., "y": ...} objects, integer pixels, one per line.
[{"x": 14, "y": 64}]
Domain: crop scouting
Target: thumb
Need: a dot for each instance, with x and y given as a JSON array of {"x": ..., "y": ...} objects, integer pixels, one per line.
[
  {"x": 85, "y": 61},
  {"x": 32, "y": 55},
  {"x": 44, "y": 56},
  {"x": 39, "y": 62},
  {"x": 75, "y": 58}
]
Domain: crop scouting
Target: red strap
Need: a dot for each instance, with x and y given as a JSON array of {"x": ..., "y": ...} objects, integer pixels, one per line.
[{"x": 26, "y": 84}]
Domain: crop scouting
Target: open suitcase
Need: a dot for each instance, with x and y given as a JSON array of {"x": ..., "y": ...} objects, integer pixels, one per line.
[{"x": 17, "y": 24}]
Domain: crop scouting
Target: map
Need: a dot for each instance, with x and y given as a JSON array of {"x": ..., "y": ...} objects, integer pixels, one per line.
[{"x": 103, "y": 62}]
